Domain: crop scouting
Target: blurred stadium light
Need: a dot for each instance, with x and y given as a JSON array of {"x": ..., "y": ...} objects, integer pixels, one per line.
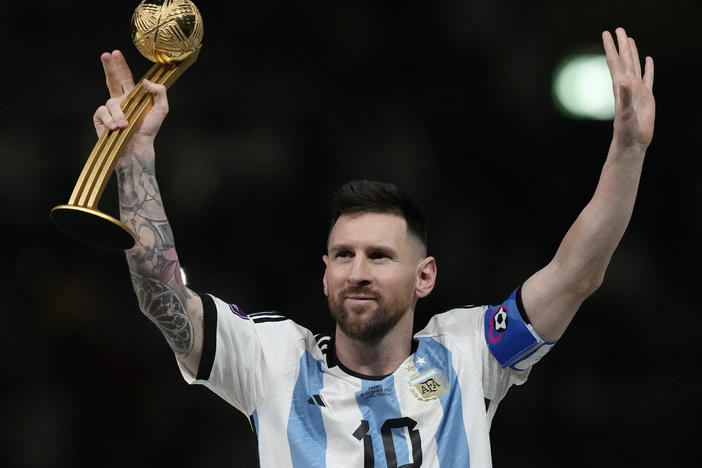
[{"x": 582, "y": 87}]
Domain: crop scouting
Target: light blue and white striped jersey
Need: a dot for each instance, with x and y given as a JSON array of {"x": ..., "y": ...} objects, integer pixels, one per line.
[{"x": 309, "y": 411}]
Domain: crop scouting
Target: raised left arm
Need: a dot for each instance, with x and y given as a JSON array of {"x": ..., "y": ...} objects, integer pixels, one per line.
[{"x": 552, "y": 295}]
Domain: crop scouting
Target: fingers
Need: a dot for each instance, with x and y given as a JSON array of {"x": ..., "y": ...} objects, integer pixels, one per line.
[
  {"x": 118, "y": 76},
  {"x": 123, "y": 72},
  {"x": 119, "y": 81},
  {"x": 102, "y": 119},
  {"x": 648, "y": 73},
  {"x": 158, "y": 112},
  {"x": 113, "y": 85},
  {"x": 611, "y": 53},
  {"x": 110, "y": 116},
  {"x": 635, "y": 57},
  {"x": 113, "y": 106},
  {"x": 158, "y": 91},
  {"x": 624, "y": 49},
  {"x": 627, "y": 59}
]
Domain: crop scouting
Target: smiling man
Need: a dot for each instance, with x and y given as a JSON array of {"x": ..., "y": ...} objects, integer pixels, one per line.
[
  {"x": 376, "y": 269},
  {"x": 372, "y": 394}
]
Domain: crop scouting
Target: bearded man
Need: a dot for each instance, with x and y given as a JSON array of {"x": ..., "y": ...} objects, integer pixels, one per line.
[{"x": 372, "y": 394}]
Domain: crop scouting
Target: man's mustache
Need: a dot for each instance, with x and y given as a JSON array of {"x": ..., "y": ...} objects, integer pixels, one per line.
[{"x": 363, "y": 291}]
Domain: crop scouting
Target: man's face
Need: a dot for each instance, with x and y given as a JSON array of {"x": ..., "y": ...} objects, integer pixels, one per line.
[{"x": 372, "y": 273}]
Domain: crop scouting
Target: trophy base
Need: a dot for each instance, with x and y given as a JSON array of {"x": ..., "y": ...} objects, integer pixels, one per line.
[{"x": 93, "y": 227}]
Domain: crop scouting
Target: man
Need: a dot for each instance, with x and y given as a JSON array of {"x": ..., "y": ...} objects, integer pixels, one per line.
[{"x": 371, "y": 395}]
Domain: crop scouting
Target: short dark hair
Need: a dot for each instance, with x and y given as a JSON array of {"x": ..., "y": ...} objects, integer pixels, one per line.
[{"x": 369, "y": 196}]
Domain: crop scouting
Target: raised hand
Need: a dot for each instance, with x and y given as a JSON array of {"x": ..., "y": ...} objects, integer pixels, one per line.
[
  {"x": 635, "y": 107},
  {"x": 119, "y": 83}
]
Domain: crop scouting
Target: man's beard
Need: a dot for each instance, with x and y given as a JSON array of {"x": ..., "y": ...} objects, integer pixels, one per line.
[{"x": 376, "y": 323}]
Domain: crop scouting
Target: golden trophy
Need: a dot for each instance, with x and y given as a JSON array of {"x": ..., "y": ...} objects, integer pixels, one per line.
[{"x": 169, "y": 33}]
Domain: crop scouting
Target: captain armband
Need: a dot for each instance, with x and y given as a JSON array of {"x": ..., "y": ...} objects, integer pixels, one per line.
[{"x": 511, "y": 338}]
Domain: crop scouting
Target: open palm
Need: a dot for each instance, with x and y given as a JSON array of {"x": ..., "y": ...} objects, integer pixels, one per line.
[{"x": 635, "y": 106}]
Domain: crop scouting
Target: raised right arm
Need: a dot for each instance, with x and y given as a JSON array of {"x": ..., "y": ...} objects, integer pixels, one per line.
[{"x": 153, "y": 262}]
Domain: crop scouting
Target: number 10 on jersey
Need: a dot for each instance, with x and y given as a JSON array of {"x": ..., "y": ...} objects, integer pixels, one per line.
[{"x": 362, "y": 434}]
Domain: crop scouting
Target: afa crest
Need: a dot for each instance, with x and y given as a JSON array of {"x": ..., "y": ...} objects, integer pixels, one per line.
[{"x": 429, "y": 385}]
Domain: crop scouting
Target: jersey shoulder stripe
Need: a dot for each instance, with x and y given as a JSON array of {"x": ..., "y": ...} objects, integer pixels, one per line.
[
  {"x": 263, "y": 317},
  {"x": 270, "y": 319},
  {"x": 266, "y": 314}
]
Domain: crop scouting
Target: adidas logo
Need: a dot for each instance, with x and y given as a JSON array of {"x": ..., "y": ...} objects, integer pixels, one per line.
[{"x": 316, "y": 400}]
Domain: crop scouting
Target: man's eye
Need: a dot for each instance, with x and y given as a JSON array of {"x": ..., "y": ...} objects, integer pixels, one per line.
[
  {"x": 343, "y": 254},
  {"x": 378, "y": 256}
]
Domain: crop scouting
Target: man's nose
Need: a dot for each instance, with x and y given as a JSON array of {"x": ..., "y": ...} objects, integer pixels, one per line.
[{"x": 360, "y": 273}]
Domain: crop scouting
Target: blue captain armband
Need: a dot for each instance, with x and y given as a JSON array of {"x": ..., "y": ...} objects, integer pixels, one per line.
[{"x": 510, "y": 336}]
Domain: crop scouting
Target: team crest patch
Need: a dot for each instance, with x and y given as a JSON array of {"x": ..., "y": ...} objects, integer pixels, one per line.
[{"x": 429, "y": 385}]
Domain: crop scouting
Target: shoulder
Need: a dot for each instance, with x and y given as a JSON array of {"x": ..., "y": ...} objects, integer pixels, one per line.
[
  {"x": 459, "y": 321},
  {"x": 269, "y": 327}
]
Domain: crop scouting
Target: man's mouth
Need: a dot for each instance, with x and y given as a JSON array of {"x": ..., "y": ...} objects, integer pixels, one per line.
[{"x": 355, "y": 299}]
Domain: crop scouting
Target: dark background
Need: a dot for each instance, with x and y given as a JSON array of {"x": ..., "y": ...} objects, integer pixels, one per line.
[{"x": 449, "y": 99}]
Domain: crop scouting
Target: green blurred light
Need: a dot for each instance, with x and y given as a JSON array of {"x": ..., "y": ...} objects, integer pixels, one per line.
[{"x": 582, "y": 87}]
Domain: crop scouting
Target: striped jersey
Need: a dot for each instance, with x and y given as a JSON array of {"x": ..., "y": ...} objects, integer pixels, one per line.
[{"x": 310, "y": 411}]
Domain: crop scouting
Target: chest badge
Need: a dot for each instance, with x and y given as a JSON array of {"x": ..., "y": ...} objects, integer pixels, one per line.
[{"x": 429, "y": 385}]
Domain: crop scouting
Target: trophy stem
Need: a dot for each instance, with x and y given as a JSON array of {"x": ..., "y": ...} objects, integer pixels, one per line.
[{"x": 101, "y": 163}]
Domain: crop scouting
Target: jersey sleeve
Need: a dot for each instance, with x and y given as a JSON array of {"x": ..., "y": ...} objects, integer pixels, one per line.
[
  {"x": 235, "y": 362},
  {"x": 496, "y": 342}
]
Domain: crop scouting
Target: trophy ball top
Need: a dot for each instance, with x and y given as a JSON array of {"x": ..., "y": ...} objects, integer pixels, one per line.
[{"x": 166, "y": 31}]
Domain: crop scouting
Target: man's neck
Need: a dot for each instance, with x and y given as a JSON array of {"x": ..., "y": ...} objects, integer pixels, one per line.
[{"x": 376, "y": 359}]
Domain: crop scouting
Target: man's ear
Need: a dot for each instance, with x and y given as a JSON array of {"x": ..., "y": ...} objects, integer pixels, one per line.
[
  {"x": 426, "y": 277},
  {"x": 325, "y": 259}
]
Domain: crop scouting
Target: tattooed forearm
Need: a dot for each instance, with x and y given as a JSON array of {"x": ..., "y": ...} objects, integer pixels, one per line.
[
  {"x": 153, "y": 262},
  {"x": 140, "y": 202},
  {"x": 167, "y": 311}
]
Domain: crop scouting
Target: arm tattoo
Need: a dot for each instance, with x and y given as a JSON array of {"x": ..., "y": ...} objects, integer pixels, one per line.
[
  {"x": 166, "y": 310},
  {"x": 153, "y": 262}
]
